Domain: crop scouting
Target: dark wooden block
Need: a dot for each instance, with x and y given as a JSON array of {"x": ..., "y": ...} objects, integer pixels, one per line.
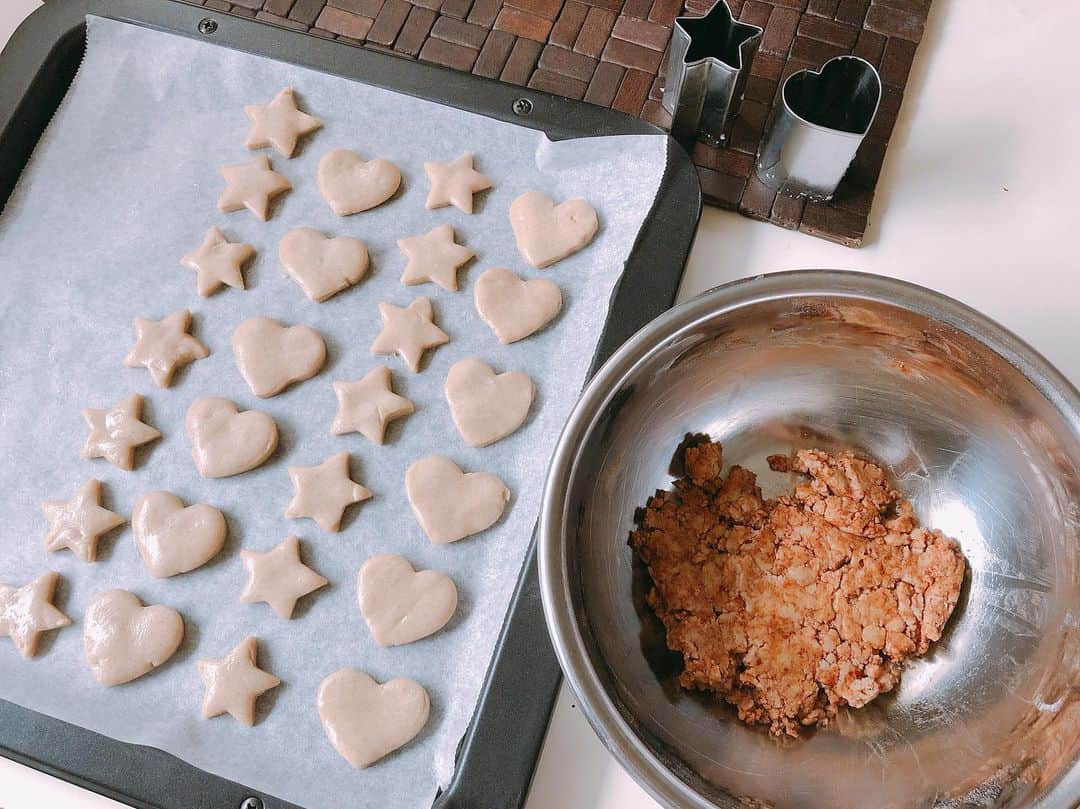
[
  {"x": 523, "y": 24},
  {"x": 565, "y": 31},
  {"x": 519, "y": 66},
  {"x": 279, "y": 7},
  {"x": 595, "y": 31},
  {"x": 448, "y": 54},
  {"x": 557, "y": 83},
  {"x": 870, "y": 46},
  {"x": 829, "y": 31},
  {"x": 815, "y": 51},
  {"x": 832, "y": 223},
  {"x": 896, "y": 61},
  {"x": 365, "y": 8},
  {"x": 632, "y": 56},
  {"x": 787, "y": 211},
  {"x": 432, "y": 5},
  {"x": 484, "y": 12},
  {"x": 250, "y": 5},
  {"x": 388, "y": 22},
  {"x": 895, "y": 22},
  {"x": 632, "y": 92},
  {"x": 637, "y": 8},
  {"x": 266, "y": 16},
  {"x": 757, "y": 199},
  {"x": 494, "y": 54},
  {"x": 306, "y": 12},
  {"x": 605, "y": 83},
  {"x": 852, "y": 12},
  {"x": 217, "y": 5},
  {"x": 577, "y": 66},
  {"x": 458, "y": 9},
  {"x": 654, "y": 113},
  {"x": 822, "y": 8},
  {"x": 665, "y": 11},
  {"x": 460, "y": 33},
  {"x": 780, "y": 31},
  {"x": 641, "y": 32},
  {"x": 415, "y": 30},
  {"x": 344, "y": 22},
  {"x": 756, "y": 13},
  {"x": 724, "y": 190},
  {"x": 548, "y": 9}
]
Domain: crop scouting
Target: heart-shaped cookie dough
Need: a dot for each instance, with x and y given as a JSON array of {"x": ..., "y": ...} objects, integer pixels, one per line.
[
  {"x": 400, "y": 604},
  {"x": 321, "y": 265},
  {"x": 365, "y": 720},
  {"x": 225, "y": 441},
  {"x": 450, "y": 504},
  {"x": 515, "y": 308},
  {"x": 271, "y": 356},
  {"x": 351, "y": 184},
  {"x": 123, "y": 640},
  {"x": 487, "y": 406},
  {"x": 173, "y": 539},
  {"x": 547, "y": 232}
]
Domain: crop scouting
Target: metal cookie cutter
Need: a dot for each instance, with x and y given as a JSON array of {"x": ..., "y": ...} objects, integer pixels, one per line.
[
  {"x": 708, "y": 66},
  {"x": 822, "y": 119}
]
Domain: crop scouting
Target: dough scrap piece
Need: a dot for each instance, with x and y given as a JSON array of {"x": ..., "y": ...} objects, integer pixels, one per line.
[
  {"x": 218, "y": 262},
  {"x": 367, "y": 405},
  {"x": 450, "y": 504},
  {"x": 79, "y": 522},
  {"x": 26, "y": 612},
  {"x": 350, "y": 184},
  {"x": 515, "y": 308},
  {"x": 162, "y": 346},
  {"x": 279, "y": 124},
  {"x": 234, "y": 682},
  {"x": 408, "y": 332},
  {"x": 116, "y": 432},
  {"x": 278, "y": 577},
  {"x": 123, "y": 640},
  {"x": 271, "y": 356},
  {"x": 321, "y": 265},
  {"x": 365, "y": 720},
  {"x": 173, "y": 539},
  {"x": 487, "y": 406},
  {"x": 546, "y": 232},
  {"x": 323, "y": 492},
  {"x": 400, "y": 604},
  {"x": 434, "y": 257},
  {"x": 225, "y": 441},
  {"x": 454, "y": 183},
  {"x": 251, "y": 185}
]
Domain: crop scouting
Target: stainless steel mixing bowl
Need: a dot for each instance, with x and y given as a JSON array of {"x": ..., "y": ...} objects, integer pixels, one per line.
[{"x": 979, "y": 431}]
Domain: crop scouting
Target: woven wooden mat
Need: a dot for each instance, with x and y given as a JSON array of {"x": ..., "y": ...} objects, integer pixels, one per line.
[{"x": 613, "y": 53}]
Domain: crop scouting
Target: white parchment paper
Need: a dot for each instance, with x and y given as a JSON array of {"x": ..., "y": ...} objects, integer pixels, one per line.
[{"x": 125, "y": 182}]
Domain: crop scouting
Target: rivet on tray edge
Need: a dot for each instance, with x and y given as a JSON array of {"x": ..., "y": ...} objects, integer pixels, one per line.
[
  {"x": 522, "y": 106},
  {"x": 208, "y": 26}
]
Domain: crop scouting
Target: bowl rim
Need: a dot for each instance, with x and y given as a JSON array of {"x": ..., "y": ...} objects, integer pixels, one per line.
[{"x": 566, "y": 636}]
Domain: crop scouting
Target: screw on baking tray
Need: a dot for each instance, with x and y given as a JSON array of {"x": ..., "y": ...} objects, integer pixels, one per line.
[
  {"x": 522, "y": 106},
  {"x": 251, "y": 803},
  {"x": 208, "y": 26}
]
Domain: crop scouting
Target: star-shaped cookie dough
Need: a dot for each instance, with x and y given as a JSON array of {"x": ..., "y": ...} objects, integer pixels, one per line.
[
  {"x": 408, "y": 332},
  {"x": 278, "y": 577},
  {"x": 454, "y": 183},
  {"x": 367, "y": 405},
  {"x": 115, "y": 433},
  {"x": 79, "y": 522},
  {"x": 279, "y": 124},
  {"x": 162, "y": 346},
  {"x": 234, "y": 682},
  {"x": 434, "y": 257},
  {"x": 251, "y": 185},
  {"x": 27, "y": 611},
  {"x": 217, "y": 262},
  {"x": 323, "y": 492}
]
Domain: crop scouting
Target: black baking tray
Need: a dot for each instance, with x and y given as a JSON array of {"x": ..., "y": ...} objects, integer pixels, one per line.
[{"x": 498, "y": 754}]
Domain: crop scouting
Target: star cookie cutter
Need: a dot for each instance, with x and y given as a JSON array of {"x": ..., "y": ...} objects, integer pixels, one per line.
[
  {"x": 818, "y": 127},
  {"x": 708, "y": 65}
]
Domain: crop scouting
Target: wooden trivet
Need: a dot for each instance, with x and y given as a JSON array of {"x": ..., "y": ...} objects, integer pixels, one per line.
[{"x": 613, "y": 53}]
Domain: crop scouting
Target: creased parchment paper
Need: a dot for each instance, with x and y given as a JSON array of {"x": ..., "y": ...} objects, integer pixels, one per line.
[{"x": 124, "y": 183}]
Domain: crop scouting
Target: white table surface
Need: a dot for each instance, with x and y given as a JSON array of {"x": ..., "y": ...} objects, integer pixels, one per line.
[{"x": 978, "y": 199}]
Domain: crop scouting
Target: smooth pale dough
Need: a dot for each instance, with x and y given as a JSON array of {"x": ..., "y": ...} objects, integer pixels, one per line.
[
  {"x": 234, "y": 682},
  {"x": 271, "y": 356},
  {"x": 350, "y": 184},
  {"x": 366, "y": 721},
  {"x": 367, "y": 405},
  {"x": 123, "y": 640},
  {"x": 279, "y": 124},
  {"x": 323, "y": 492},
  {"x": 487, "y": 406},
  {"x": 225, "y": 441},
  {"x": 547, "y": 232},
  {"x": 450, "y": 504},
  {"x": 162, "y": 346},
  {"x": 321, "y": 265},
  {"x": 26, "y": 612},
  {"x": 454, "y": 183},
  {"x": 79, "y": 522},
  {"x": 173, "y": 539},
  {"x": 251, "y": 185},
  {"x": 218, "y": 262},
  {"x": 515, "y": 308},
  {"x": 278, "y": 577},
  {"x": 400, "y": 604},
  {"x": 434, "y": 257},
  {"x": 116, "y": 432},
  {"x": 408, "y": 332}
]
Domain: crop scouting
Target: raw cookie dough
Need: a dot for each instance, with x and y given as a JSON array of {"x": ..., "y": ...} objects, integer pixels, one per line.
[
  {"x": 434, "y": 257},
  {"x": 454, "y": 183},
  {"x": 271, "y": 356},
  {"x": 278, "y": 577},
  {"x": 400, "y": 604},
  {"x": 487, "y": 406},
  {"x": 279, "y": 124},
  {"x": 225, "y": 441},
  {"x": 115, "y": 433},
  {"x": 367, "y": 405},
  {"x": 351, "y": 185},
  {"x": 162, "y": 346},
  {"x": 547, "y": 232},
  {"x": 366, "y": 721},
  {"x": 450, "y": 504},
  {"x": 173, "y": 539},
  {"x": 408, "y": 332},
  {"x": 26, "y": 612},
  {"x": 79, "y": 522},
  {"x": 323, "y": 492},
  {"x": 251, "y": 185},
  {"x": 234, "y": 682},
  {"x": 321, "y": 265},
  {"x": 123, "y": 640},
  {"x": 513, "y": 307},
  {"x": 218, "y": 262}
]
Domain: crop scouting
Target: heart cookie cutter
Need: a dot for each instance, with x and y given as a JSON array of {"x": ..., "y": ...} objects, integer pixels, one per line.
[
  {"x": 708, "y": 65},
  {"x": 818, "y": 127}
]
